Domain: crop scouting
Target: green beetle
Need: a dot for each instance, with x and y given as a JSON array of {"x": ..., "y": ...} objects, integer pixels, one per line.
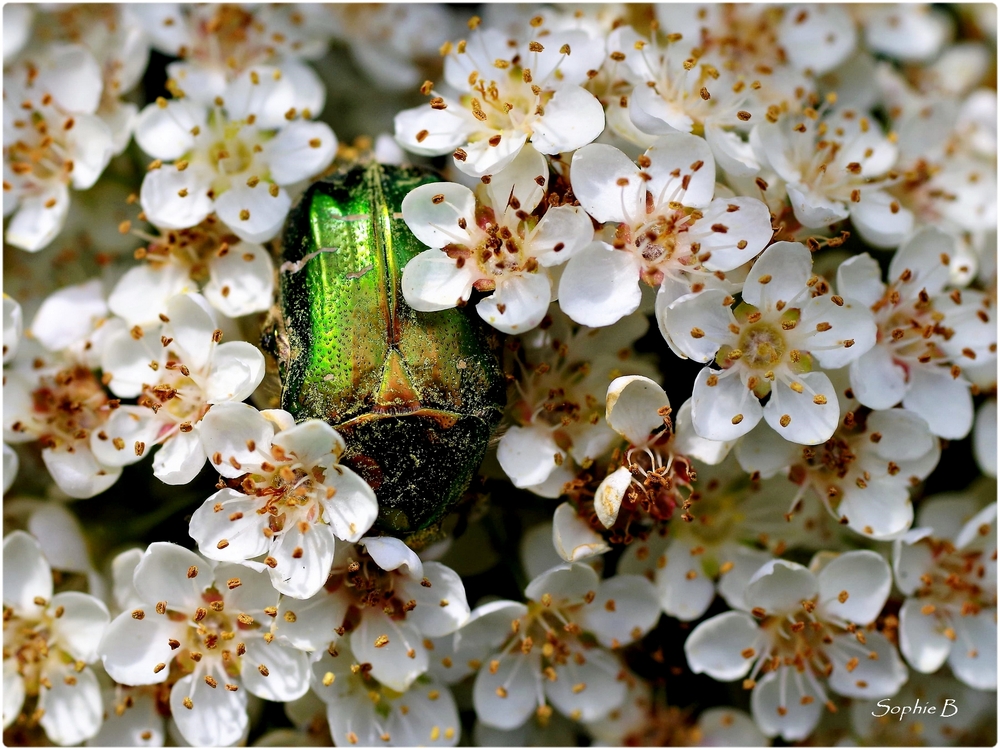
[{"x": 416, "y": 396}]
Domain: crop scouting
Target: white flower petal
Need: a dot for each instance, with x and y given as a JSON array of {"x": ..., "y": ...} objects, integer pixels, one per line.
[
  {"x": 287, "y": 670},
  {"x": 483, "y": 158},
  {"x": 78, "y": 474},
  {"x": 814, "y": 210},
  {"x": 715, "y": 647},
  {"x": 432, "y": 132},
  {"x": 683, "y": 589},
  {"x": 653, "y": 114},
  {"x": 237, "y": 369},
  {"x": 600, "y": 286},
  {"x": 73, "y": 710},
  {"x": 301, "y": 149},
  {"x": 135, "y": 426},
  {"x": 231, "y": 516},
  {"x": 352, "y": 511},
  {"x": 780, "y": 586},
  {"x": 597, "y": 171},
  {"x": 572, "y": 536},
  {"x": 391, "y": 664},
  {"x": 132, "y": 648},
  {"x": 877, "y": 380},
  {"x": 591, "y": 690},
  {"x": 432, "y": 281},
  {"x": 441, "y": 606},
  {"x": 573, "y": 118},
  {"x": 921, "y": 637},
  {"x": 561, "y": 234},
  {"x": 609, "y": 495},
  {"x": 788, "y": 264},
  {"x": 944, "y": 402},
  {"x": 163, "y": 575},
  {"x": 180, "y": 460},
  {"x": 866, "y": 578},
  {"x": 13, "y": 690},
  {"x": 161, "y": 200},
  {"x": 142, "y": 293},
  {"x": 860, "y": 278},
  {"x": 242, "y": 281},
  {"x": 39, "y": 218},
  {"x": 217, "y": 716},
  {"x": 726, "y": 410},
  {"x": 747, "y": 231},
  {"x": 984, "y": 439},
  {"x": 779, "y": 690},
  {"x": 229, "y": 430},
  {"x": 682, "y": 169},
  {"x": 634, "y": 403},
  {"x": 432, "y": 719},
  {"x": 519, "y": 302},
  {"x": 304, "y": 559},
  {"x": 390, "y": 553},
  {"x": 80, "y": 627},
  {"x": 975, "y": 664},
  {"x": 624, "y": 610},
  {"x": 165, "y": 132},
  {"x": 565, "y": 582},
  {"x": 880, "y": 220},
  {"x": 141, "y": 725},
  {"x": 817, "y": 38},
  {"x": 520, "y": 677},
  {"x": 528, "y": 454},
  {"x": 315, "y": 620},
  {"x": 254, "y": 214},
  {"x": 698, "y": 324},
  {"x": 813, "y": 414},
  {"x": 26, "y": 574},
  {"x": 872, "y": 678}
]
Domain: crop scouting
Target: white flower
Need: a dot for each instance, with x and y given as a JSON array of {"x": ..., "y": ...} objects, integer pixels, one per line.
[
  {"x": 13, "y": 328},
  {"x": 862, "y": 474},
  {"x": 206, "y": 629},
  {"x": 493, "y": 244},
  {"x": 801, "y": 626},
  {"x": 48, "y": 641},
  {"x": 835, "y": 167},
  {"x": 922, "y": 333},
  {"x": 219, "y": 43},
  {"x": 132, "y": 718},
  {"x": 509, "y": 94},
  {"x": 61, "y": 404},
  {"x": 393, "y": 602},
  {"x": 529, "y": 654},
  {"x": 362, "y": 711},
  {"x": 657, "y": 464},
  {"x": 984, "y": 438},
  {"x": 235, "y": 158},
  {"x": 908, "y": 33},
  {"x": 236, "y": 277},
  {"x": 946, "y": 567},
  {"x": 389, "y": 42},
  {"x": 668, "y": 231},
  {"x": 677, "y": 91},
  {"x": 817, "y": 37},
  {"x": 177, "y": 369},
  {"x": 290, "y": 497},
  {"x": 52, "y": 139},
  {"x": 73, "y": 322},
  {"x": 558, "y": 423},
  {"x": 772, "y": 344}
]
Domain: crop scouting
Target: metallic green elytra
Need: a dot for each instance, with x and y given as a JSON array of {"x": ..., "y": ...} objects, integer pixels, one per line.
[{"x": 415, "y": 395}]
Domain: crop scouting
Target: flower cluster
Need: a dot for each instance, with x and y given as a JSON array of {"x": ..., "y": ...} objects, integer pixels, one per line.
[{"x": 734, "y": 266}]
